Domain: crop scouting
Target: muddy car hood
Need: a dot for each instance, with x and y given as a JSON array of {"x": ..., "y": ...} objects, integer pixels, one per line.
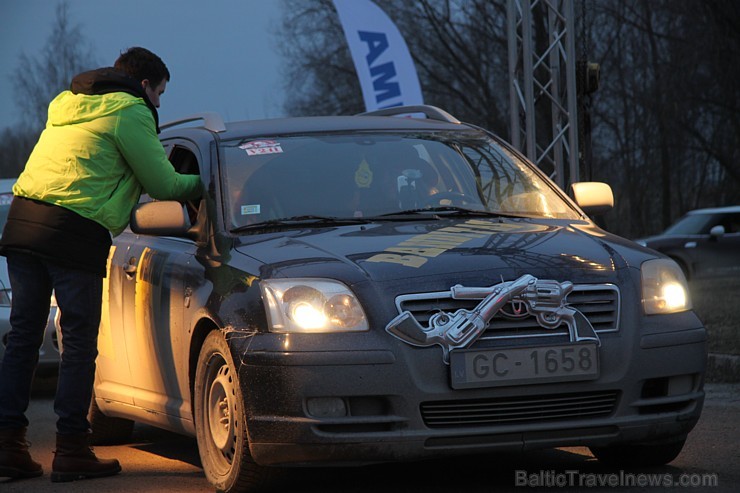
[{"x": 471, "y": 249}]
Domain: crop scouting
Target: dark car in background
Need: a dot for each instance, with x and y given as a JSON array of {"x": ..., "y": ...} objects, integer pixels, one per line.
[
  {"x": 704, "y": 242},
  {"x": 49, "y": 350},
  {"x": 371, "y": 288}
]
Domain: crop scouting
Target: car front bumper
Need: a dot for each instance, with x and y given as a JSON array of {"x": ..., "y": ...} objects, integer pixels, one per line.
[{"x": 377, "y": 405}]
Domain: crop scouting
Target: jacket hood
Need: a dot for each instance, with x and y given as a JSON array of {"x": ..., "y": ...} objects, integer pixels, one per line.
[
  {"x": 466, "y": 250},
  {"x": 95, "y": 94}
]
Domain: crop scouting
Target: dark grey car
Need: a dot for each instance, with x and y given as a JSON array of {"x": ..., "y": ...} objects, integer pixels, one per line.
[
  {"x": 704, "y": 242},
  {"x": 370, "y": 288}
]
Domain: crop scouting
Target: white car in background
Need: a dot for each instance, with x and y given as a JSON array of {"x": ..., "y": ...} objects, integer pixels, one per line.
[{"x": 49, "y": 350}]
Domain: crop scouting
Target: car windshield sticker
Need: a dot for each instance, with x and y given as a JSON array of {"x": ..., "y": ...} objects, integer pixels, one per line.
[
  {"x": 415, "y": 251},
  {"x": 363, "y": 175},
  {"x": 250, "y": 209},
  {"x": 259, "y": 147}
]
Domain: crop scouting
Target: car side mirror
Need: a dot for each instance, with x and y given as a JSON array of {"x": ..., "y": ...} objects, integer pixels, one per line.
[
  {"x": 593, "y": 197},
  {"x": 717, "y": 231},
  {"x": 160, "y": 218}
]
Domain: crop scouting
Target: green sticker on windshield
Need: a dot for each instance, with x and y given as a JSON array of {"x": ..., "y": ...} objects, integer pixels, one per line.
[{"x": 250, "y": 209}]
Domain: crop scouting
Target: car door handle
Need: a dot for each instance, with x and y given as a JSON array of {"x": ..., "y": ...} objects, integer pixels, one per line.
[{"x": 130, "y": 267}]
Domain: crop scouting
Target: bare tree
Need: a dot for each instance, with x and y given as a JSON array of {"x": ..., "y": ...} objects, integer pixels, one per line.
[
  {"x": 15, "y": 147},
  {"x": 38, "y": 79},
  {"x": 664, "y": 124},
  {"x": 320, "y": 76},
  {"x": 713, "y": 88},
  {"x": 458, "y": 46},
  {"x": 663, "y": 117},
  {"x": 460, "y": 50}
]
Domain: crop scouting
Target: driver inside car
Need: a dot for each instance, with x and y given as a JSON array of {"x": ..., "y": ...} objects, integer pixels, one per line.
[
  {"x": 416, "y": 182},
  {"x": 395, "y": 183}
]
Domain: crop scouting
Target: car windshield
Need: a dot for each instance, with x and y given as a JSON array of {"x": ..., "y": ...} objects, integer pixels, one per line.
[{"x": 378, "y": 175}]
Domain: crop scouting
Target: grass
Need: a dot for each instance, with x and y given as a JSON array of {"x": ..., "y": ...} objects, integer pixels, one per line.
[{"x": 717, "y": 303}]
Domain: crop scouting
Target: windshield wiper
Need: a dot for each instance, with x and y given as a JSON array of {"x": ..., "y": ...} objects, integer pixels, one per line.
[
  {"x": 405, "y": 215},
  {"x": 461, "y": 211},
  {"x": 439, "y": 212},
  {"x": 301, "y": 221}
]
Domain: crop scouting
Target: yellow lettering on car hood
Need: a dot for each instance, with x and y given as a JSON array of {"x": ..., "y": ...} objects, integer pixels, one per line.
[{"x": 415, "y": 251}]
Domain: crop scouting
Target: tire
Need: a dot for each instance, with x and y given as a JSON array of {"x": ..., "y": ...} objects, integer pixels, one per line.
[
  {"x": 107, "y": 430},
  {"x": 639, "y": 455},
  {"x": 220, "y": 422}
]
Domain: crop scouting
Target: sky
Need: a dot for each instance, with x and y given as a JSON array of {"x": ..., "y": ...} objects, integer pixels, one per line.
[{"x": 222, "y": 54}]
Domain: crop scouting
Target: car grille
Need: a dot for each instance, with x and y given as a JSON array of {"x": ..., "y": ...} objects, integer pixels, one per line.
[
  {"x": 599, "y": 303},
  {"x": 518, "y": 410}
]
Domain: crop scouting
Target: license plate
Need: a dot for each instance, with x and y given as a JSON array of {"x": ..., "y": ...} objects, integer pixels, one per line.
[{"x": 522, "y": 366}]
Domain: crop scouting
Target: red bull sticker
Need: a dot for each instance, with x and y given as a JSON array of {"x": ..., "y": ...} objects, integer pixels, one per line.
[{"x": 260, "y": 147}]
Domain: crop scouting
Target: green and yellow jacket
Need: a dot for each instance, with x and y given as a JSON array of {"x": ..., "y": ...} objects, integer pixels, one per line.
[{"x": 98, "y": 153}]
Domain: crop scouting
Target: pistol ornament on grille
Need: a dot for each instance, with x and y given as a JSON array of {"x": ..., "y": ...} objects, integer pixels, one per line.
[{"x": 543, "y": 299}]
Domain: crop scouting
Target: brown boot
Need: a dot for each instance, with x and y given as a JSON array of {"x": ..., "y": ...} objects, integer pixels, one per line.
[
  {"x": 73, "y": 459},
  {"x": 15, "y": 461}
]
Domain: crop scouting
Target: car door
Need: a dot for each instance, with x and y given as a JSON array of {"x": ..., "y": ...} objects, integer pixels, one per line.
[
  {"x": 113, "y": 375},
  {"x": 154, "y": 296},
  {"x": 156, "y": 339},
  {"x": 717, "y": 255}
]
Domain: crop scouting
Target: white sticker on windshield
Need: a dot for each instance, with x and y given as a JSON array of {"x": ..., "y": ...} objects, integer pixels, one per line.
[
  {"x": 259, "y": 147},
  {"x": 250, "y": 209}
]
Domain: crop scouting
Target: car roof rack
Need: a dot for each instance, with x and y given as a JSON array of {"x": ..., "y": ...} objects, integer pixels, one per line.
[
  {"x": 211, "y": 121},
  {"x": 431, "y": 112}
]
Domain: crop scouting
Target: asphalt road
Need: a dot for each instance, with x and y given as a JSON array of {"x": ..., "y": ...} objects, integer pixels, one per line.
[{"x": 161, "y": 462}]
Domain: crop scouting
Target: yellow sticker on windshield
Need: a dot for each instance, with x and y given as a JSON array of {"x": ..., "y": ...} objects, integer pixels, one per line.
[{"x": 363, "y": 175}]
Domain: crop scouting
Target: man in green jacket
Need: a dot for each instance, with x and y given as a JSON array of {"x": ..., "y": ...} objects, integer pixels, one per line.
[{"x": 98, "y": 153}]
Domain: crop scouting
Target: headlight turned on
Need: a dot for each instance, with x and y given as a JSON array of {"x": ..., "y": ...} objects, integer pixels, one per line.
[
  {"x": 664, "y": 287},
  {"x": 311, "y": 306}
]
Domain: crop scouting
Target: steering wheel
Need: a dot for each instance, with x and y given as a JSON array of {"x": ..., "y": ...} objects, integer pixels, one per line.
[{"x": 454, "y": 198}]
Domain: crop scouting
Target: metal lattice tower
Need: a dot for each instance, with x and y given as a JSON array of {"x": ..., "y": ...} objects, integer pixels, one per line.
[{"x": 542, "y": 78}]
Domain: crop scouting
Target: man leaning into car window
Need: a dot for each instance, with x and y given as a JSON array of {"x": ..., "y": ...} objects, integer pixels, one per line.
[{"x": 98, "y": 153}]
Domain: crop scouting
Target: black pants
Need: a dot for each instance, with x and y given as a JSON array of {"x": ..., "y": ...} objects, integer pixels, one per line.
[{"x": 79, "y": 296}]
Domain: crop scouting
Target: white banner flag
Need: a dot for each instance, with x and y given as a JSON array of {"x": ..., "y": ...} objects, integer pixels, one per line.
[{"x": 382, "y": 60}]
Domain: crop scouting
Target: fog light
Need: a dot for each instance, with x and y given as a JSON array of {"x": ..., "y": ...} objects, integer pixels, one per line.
[
  {"x": 326, "y": 407},
  {"x": 680, "y": 385}
]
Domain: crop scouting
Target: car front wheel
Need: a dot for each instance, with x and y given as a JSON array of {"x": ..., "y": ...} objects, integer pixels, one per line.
[{"x": 220, "y": 422}]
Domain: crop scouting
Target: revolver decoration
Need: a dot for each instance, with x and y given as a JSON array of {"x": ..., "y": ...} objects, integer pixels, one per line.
[{"x": 542, "y": 299}]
